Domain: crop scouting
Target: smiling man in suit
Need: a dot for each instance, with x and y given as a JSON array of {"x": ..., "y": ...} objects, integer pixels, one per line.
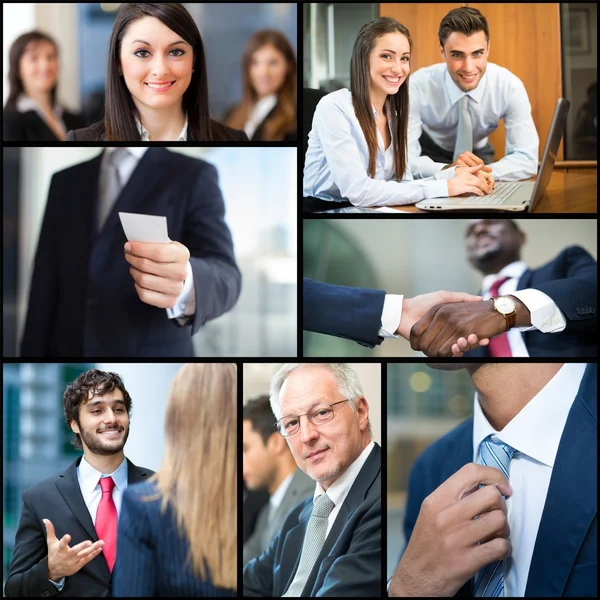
[
  {"x": 66, "y": 540},
  {"x": 95, "y": 294},
  {"x": 536, "y": 425},
  {"x": 549, "y": 311},
  {"x": 330, "y": 544},
  {"x": 269, "y": 464}
]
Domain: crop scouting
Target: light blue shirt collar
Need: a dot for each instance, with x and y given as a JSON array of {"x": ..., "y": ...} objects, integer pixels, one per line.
[{"x": 89, "y": 477}]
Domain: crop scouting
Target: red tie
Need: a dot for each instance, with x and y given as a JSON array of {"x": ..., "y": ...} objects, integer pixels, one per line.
[
  {"x": 106, "y": 521},
  {"x": 498, "y": 346}
]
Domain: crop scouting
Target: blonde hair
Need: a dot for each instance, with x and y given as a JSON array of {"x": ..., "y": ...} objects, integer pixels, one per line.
[{"x": 198, "y": 473}]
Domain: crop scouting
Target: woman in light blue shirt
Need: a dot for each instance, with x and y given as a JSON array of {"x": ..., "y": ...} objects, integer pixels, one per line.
[{"x": 357, "y": 144}]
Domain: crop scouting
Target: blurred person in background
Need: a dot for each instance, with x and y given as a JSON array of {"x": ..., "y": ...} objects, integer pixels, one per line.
[
  {"x": 156, "y": 82},
  {"x": 66, "y": 540},
  {"x": 178, "y": 531},
  {"x": 32, "y": 112},
  {"x": 267, "y": 111}
]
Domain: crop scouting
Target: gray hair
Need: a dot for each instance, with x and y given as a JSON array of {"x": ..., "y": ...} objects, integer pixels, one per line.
[{"x": 347, "y": 380}]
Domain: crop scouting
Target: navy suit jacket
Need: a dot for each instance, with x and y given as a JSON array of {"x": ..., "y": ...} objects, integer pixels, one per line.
[
  {"x": 564, "y": 561},
  {"x": 152, "y": 556},
  {"x": 59, "y": 499},
  {"x": 571, "y": 280},
  {"x": 83, "y": 301},
  {"x": 346, "y": 312},
  {"x": 349, "y": 563}
]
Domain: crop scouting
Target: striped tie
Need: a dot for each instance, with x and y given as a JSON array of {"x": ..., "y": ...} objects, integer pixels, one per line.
[{"x": 489, "y": 582}]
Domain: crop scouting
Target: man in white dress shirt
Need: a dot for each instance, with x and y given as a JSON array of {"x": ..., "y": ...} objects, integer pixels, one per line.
[
  {"x": 456, "y": 105},
  {"x": 66, "y": 539}
]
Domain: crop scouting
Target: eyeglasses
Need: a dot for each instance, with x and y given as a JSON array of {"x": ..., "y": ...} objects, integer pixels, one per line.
[{"x": 318, "y": 415}]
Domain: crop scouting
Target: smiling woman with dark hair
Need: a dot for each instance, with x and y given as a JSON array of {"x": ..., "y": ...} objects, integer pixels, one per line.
[{"x": 156, "y": 82}]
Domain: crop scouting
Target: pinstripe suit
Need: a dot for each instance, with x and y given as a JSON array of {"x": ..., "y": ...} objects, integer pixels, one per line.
[{"x": 152, "y": 557}]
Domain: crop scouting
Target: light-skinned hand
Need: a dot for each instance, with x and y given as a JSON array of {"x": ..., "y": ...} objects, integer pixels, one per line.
[
  {"x": 468, "y": 159},
  {"x": 466, "y": 181}
]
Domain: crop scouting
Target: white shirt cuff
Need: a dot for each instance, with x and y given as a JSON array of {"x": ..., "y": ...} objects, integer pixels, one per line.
[
  {"x": 391, "y": 315},
  {"x": 446, "y": 173},
  {"x": 59, "y": 585},
  {"x": 186, "y": 303},
  {"x": 545, "y": 315}
]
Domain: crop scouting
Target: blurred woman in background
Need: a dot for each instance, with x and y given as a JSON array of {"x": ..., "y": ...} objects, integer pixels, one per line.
[
  {"x": 32, "y": 113},
  {"x": 177, "y": 532},
  {"x": 268, "y": 109}
]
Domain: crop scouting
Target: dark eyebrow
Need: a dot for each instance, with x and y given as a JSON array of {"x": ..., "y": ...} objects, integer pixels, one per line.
[
  {"x": 96, "y": 402},
  {"x": 390, "y": 51},
  {"x": 148, "y": 44},
  {"x": 461, "y": 52}
]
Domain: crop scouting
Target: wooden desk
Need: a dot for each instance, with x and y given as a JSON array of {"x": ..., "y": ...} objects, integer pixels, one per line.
[{"x": 566, "y": 193}]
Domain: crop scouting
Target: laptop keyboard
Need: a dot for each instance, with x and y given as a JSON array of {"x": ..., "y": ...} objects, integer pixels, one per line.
[{"x": 502, "y": 191}]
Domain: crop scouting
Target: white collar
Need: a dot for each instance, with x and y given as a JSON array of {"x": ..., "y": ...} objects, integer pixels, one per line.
[
  {"x": 265, "y": 105},
  {"x": 537, "y": 428},
  {"x": 339, "y": 489},
  {"x": 513, "y": 270},
  {"x": 24, "y": 103},
  {"x": 145, "y": 134},
  {"x": 279, "y": 493},
  {"x": 90, "y": 477}
]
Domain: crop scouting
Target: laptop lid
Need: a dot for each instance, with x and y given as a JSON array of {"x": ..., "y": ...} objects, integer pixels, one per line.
[{"x": 557, "y": 129}]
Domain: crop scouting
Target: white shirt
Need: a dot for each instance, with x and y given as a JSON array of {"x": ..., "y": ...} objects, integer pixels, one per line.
[
  {"x": 535, "y": 434},
  {"x": 259, "y": 113},
  {"x": 337, "y": 160},
  {"x": 500, "y": 95},
  {"x": 339, "y": 489},
  {"x": 24, "y": 104},
  {"x": 545, "y": 315},
  {"x": 277, "y": 497},
  {"x": 182, "y": 137},
  {"x": 129, "y": 160}
]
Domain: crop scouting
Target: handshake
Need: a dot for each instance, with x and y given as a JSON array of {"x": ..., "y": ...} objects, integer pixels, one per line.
[{"x": 448, "y": 324}]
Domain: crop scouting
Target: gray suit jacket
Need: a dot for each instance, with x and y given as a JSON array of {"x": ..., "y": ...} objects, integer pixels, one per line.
[{"x": 301, "y": 487}]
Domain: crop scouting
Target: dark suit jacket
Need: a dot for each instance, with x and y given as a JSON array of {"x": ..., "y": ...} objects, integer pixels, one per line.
[
  {"x": 564, "y": 561},
  {"x": 346, "y": 312},
  {"x": 95, "y": 133},
  {"x": 349, "y": 563},
  {"x": 257, "y": 136},
  {"x": 152, "y": 556},
  {"x": 59, "y": 499},
  {"x": 30, "y": 127},
  {"x": 83, "y": 300},
  {"x": 571, "y": 280}
]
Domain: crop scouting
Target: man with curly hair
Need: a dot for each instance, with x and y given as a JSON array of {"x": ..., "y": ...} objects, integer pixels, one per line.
[{"x": 70, "y": 519}]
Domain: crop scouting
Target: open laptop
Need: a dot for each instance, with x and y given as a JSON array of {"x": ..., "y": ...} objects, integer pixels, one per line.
[{"x": 512, "y": 195}]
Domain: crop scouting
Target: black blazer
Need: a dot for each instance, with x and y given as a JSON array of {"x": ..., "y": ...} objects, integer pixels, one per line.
[
  {"x": 257, "y": 136},
  {"x": 83, "y": 300},
  {"x": 95, "y": 133},
  {"x": 59, "y": 499},
  {"x": 571, "y": 280},
  {"x": 349, "y": 563},
  {"x": 30, "y": 127}
]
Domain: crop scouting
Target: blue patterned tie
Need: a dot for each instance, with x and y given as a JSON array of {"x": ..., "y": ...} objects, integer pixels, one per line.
[{"x": 489, "y": 582}]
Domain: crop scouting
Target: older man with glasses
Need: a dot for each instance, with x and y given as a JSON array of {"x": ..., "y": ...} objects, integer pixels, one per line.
[{"x": 330, "y": 544}]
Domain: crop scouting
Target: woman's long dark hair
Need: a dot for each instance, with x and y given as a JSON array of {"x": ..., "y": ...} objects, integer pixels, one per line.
[
  {"x": 14, "y": 58},
  {"x": 396, "y": 105},
  {"x": 284, "y": 119},
  {"x": 120, "y": 112}
]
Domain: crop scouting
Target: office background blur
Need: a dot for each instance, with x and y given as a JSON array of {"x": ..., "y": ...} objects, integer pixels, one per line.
[
  {"x": 423, "y": 404},
  {"x": 257, "y": 381},
  {"x": 36, "y": 442},
  {"x": 259, "y": 188},
  {"x": 83, "y": 31},
  {"x": 551, "y": 47},
  {"x": 413, "y": 257}
]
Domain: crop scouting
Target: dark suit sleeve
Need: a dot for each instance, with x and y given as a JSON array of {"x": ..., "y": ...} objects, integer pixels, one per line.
[
  {"x": 12, "y": 126},
  {"x": 575, "y": 291},
  {"x": 416, "y": 494},
  {"x": 133, "y": 573},
  {"x": 347, "y": 312},
  {"x": 44, "y": 289},
  {"x": 217, "y": 279},
  {"x": 258, "y": 573},
  {"x": 71, "y": 137},
  {"x": 358, "y": 572},
  {"x": 28, "y": 574}
]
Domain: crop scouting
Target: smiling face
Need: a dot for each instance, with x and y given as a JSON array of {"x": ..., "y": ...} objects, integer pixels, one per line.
[
  {"x": 466, "y": 58},
  {"x": 323, "y": 452},
  {"x": 267, "y": 72},
  {"x": 389, "y": 64},
  {"x": 38, "y": 67},
  {"x": 156, "y": 64},
  {"x": 103, "y": 423},
  {"x": 492, "y": 244}
]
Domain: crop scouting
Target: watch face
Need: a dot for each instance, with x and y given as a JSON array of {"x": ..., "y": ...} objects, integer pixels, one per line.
[{"x": 504, "y": 305}]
